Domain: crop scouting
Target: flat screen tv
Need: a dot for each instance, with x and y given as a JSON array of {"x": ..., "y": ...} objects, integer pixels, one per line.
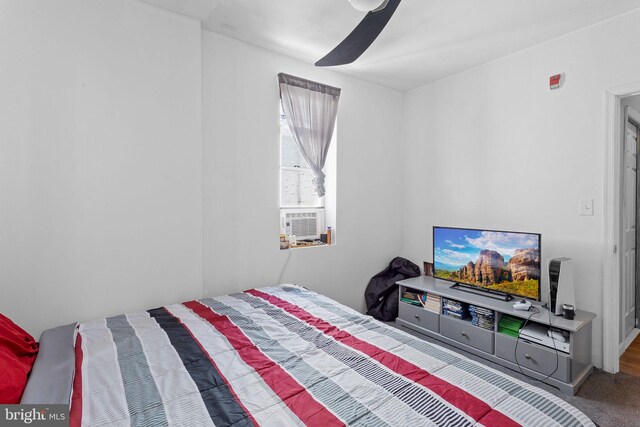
[{"x": 505, "y": 262}]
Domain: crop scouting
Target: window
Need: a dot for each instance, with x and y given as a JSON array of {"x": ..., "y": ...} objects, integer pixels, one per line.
[
  {"x": 296, "y": 179},
  {"x": 307, "y": 161},
  {"x": 302, "y": 213}
]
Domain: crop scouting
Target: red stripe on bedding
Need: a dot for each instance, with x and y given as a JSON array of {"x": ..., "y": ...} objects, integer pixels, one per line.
[
  {"x": 75, "y": 415},
  {"x": 463, "y": 400},
  {"x": 497, "y": 419},
  {"x": 294, "y": 395}
]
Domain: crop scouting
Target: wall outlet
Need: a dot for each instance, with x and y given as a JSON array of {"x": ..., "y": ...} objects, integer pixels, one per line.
[{"x": 586, "y": 207}]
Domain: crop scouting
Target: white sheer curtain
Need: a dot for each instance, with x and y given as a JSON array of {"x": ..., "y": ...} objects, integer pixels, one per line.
[{"x": 310, "y": 109}]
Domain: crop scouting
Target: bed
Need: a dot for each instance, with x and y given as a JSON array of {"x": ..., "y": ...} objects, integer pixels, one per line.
[{"x": 275, "y": 356}]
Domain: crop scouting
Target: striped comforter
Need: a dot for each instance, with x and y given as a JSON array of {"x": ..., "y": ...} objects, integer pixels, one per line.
[{"x": 285, "y": 356}]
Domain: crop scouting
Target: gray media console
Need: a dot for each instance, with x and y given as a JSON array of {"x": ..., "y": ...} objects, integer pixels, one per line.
[{"x": 565, "y": 370}]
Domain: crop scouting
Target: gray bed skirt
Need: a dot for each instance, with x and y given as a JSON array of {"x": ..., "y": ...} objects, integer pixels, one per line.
[{"x": 52, "y": 374}]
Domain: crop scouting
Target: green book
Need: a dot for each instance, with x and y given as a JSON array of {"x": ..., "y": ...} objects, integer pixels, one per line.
[
  {"x": 510, "y": 325},
  {"x": 509, "y": 332}
]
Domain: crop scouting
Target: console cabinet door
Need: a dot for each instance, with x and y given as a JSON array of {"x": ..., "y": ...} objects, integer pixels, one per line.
[
  {"x": 466, "y": 333},
  {"x": 419, "y": 316},
  {"x": 534, "y": 357}
]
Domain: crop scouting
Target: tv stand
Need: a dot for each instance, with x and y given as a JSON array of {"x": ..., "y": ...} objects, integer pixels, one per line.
[
  {"x": 479, "y": 291},
  {"x": 563, "y": 370}
]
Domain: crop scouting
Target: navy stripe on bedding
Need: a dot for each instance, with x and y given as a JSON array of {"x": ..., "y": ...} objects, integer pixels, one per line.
[{"x": 221, "y": 403}]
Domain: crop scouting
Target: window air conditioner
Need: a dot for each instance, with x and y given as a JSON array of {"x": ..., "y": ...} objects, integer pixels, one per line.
[{"x": 304, "y": 223}]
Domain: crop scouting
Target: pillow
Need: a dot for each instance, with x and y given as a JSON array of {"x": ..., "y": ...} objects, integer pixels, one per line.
[{"x": 18, "y": 351}]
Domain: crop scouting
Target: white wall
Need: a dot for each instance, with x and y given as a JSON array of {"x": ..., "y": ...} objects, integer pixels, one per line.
[
  {"x": 241, "y": 149},
  {"x": 494, "y": 148},
  {"x": 100, "y": 159}
]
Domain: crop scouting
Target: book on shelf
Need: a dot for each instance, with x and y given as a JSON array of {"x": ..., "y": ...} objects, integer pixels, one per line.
[
  {"x": 482, "y": 317},
  {"x": 456, "y": 309},
  {"x": 433, "y": 303},
  {"x": 411, "y": 301},
  {"x": 423, "y": 299},
  {"x": 417, "y": 298},
  {"x": 509, "y": 325},
  {"x": 411, "y": 295}
]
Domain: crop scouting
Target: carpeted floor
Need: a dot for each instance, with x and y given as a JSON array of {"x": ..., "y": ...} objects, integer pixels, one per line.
[{"x": 609, "y": 400}]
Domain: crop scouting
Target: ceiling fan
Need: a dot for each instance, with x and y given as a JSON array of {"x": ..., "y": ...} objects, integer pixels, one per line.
[{"x": 356, "y": 43}]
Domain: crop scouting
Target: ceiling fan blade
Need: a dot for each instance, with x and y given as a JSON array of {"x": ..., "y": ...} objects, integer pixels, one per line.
[{"x": 360, "y": 38}]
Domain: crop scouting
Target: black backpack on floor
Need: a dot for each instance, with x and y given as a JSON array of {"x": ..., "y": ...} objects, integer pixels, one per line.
[{"x": 381, "y": 295}]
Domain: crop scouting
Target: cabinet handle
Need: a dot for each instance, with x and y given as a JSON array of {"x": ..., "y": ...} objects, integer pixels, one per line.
[
  {"x": 526, "y": 356},
  {"x": 464, "y": 334}
]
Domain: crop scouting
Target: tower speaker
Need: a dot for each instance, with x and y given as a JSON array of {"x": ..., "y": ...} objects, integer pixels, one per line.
[{"x": 561, "y": 284}]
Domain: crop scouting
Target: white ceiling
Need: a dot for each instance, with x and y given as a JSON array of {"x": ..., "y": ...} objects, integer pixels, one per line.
[{"x": 425, "y": 40}]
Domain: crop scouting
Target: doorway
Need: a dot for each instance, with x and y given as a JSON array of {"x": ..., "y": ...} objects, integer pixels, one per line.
[
  {"x": 630, "y": 218},
  {"x": 616, "y": 300}
]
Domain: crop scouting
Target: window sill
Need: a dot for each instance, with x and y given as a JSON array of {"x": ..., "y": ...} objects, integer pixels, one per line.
[{"x": 298, "y": 246}]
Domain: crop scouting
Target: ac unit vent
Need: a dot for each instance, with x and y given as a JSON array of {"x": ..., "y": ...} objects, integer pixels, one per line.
[{"x": 305, "y": 224}]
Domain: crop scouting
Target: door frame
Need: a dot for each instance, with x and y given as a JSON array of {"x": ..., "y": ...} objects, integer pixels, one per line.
[{"x": 611, "y": 278}]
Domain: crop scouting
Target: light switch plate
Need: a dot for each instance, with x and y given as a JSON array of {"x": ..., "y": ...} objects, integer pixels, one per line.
[{"x": 586, "y": 207}]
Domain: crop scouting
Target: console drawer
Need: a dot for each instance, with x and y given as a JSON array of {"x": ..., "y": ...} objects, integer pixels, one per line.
[
  {"x": 534, "y": 357},
  {"x": 419, "y": 316},
  {"x": 466, "y": 333}
]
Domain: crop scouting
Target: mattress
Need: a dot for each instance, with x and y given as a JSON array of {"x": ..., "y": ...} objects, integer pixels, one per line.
[{"x": 284, "y": 356}]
